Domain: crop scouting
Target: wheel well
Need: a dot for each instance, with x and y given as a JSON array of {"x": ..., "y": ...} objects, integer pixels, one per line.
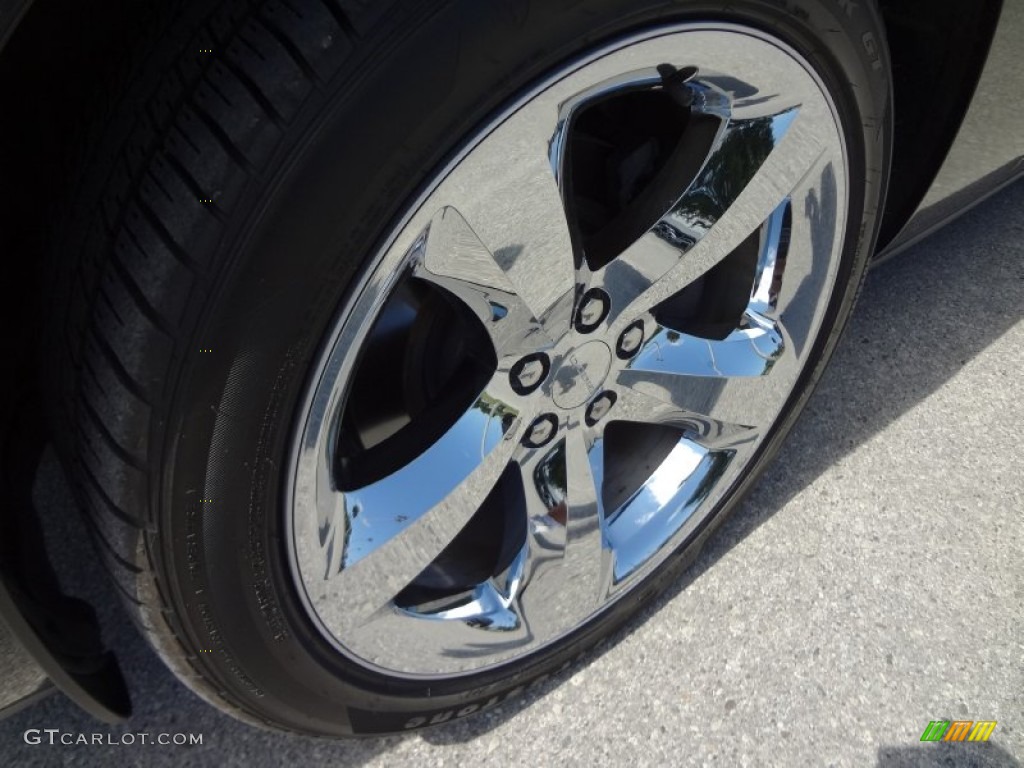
[
  {"x": 57, "y": 65},
  {"x": 938, "y": 53}
]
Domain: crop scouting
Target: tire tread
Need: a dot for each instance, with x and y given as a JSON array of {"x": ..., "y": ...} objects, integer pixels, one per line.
[{"x": 183, "y": 127}]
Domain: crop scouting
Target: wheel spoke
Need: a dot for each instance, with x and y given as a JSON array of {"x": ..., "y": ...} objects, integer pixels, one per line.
[
  {"x": 661, "y": 509},
  {"x": 451, "y": 256},
  {"x": 750, "y": 351},
  {"x": 431, "y": 499},
  {"x": 637, "y": 403},
  {"x": 658, "y": 510},
  {"x": 716, "y": 214},
  {"x": 528, "y": 233},
  {"x": 583, "y": 540},
  {"x": 569, "y": 571},
  {"x": 743, "y": 401}
]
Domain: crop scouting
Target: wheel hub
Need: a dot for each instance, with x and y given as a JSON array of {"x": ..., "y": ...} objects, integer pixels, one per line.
[{"x": 581, "y": 374}]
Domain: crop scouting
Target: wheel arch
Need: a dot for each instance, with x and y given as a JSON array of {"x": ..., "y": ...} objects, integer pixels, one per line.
[{"x": 938, "y": 54}]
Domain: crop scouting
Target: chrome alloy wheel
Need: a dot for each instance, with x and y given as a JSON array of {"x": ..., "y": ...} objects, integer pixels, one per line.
[{"x": 569, "y": 351}]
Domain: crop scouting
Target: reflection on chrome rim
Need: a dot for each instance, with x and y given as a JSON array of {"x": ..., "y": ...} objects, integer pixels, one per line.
[{"x": 621, "y": 358}]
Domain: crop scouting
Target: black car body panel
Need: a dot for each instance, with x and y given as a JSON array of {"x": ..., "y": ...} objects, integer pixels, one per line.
[
  {"x": 961, "y": 141},
  {"x": 988, "y": 151},
  {"x": 11, "y": 12}
]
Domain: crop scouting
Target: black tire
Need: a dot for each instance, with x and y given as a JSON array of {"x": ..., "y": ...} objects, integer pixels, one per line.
[{"x": 184, "y": 330}]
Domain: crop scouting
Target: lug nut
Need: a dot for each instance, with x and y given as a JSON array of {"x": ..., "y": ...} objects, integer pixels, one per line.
[
  {"x": 590, "y": 313},
  {"x": 630, "y": 340},
  {"x": 529, "y": 373},
  {"x": 593, "y": 309},
  {"x": 599, "y": 407},
  {"x": 541, "y": 431},
  {"x": 532, "y": 372}
]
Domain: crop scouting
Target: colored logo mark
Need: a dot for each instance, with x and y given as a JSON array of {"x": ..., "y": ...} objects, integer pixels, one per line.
[{"x": 958, "y": 730}]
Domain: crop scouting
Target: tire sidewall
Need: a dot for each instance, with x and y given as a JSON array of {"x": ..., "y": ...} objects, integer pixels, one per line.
[{"x": 355, "y": 159}]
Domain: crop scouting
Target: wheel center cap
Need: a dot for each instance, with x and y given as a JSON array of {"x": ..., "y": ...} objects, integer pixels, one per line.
[{"x": 581, "y": 374}]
